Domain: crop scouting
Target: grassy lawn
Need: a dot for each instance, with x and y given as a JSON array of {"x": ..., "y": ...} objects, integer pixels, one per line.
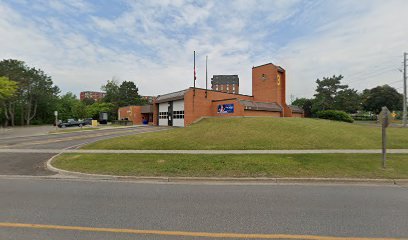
[
  {"x": 262, "y": 133},
  {"x": 302, "y": 165},
  {"x": 75, "y": 129}
]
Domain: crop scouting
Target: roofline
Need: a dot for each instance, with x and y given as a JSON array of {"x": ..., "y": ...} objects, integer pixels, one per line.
[
  {"x": 221, "y": 92},
  {"x": 172, "y": 92},
  {"x": 281, "y": 69}
]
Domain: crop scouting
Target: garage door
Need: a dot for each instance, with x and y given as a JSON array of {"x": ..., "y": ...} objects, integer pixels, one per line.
[
  {"x": 178, "y": 113},
  {"x": 163, "y": 114}
]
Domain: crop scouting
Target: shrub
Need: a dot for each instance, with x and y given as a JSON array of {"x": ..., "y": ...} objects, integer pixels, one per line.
[{"x": 335, "y": 115}]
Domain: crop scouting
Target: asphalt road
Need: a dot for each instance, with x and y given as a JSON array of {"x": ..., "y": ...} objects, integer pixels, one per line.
[
  {"x": 311, "y": 210},
  {"x": 33, "y": 164}
]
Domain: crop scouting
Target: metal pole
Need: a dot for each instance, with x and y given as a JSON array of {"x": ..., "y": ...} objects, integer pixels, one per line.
[
  {"x": 404, "y": 101},
  {"x": 384, "y": 146},
  {"x": 194, "y": 74},
  {"x": 206, "y": 76}
]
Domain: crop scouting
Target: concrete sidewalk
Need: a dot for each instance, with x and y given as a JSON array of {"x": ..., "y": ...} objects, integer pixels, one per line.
[{"x": 317, "y": 151}]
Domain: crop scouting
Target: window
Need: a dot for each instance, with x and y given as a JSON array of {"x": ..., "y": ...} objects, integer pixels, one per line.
[
  {"x": 227, "y": 87},
  {"x": 222, "y": 87},
  {"x": 178, "y": 114},
  {"x": 233, "y": 87},
  {"x": 216, "y": 87},
  {"x": 163, "y": 115}
]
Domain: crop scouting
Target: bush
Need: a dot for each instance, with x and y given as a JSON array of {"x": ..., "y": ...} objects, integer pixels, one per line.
[{"x": 335, "y": 115}]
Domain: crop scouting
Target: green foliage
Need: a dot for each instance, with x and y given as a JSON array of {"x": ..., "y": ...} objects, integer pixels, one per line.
[
  {"x": 34, "y": 96},
  {"x": 65, "y": 106},
  {"x": 375, "y": 98},
  {"x": 96, "y": 108},
  {"x": 335, "y": 115},
  {"x": 7, "y": 88},
  {"x": 326, "y": 92},
  {"x": 306, "y": 104},
  {"x": 88, "y": 101},
  {"x": 348, "y": 100}
]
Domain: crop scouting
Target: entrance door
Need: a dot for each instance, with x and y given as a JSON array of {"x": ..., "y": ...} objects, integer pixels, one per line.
[{"x": 170, "y": 114}]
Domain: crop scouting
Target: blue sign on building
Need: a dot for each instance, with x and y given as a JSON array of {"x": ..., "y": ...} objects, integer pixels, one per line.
[{"x": 226, "y": 108}]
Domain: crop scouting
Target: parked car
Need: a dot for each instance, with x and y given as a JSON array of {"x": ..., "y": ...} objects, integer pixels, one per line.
[
  {"x": 71, "y": 123},
  {"x": 87, "y": 121}
]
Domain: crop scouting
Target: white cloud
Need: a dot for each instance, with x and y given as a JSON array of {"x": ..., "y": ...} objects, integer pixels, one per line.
[{"x": 151, "y": 42}]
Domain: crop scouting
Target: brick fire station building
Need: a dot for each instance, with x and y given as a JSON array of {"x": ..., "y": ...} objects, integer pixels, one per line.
[{"x": 184, "y": 107}]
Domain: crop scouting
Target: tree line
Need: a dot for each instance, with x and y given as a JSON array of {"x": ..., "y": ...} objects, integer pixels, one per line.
[
  {"x": 330, "y": 94},
  {"x": 29, "y": 96}
]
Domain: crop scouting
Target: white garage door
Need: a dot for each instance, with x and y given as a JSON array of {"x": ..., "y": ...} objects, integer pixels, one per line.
[
  {"x": 178, "y": 113},
  {"x": 163, "y": 113}
]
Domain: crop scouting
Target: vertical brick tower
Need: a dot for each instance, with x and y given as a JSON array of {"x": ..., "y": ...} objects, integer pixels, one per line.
[{"x": 269, "y": 85}]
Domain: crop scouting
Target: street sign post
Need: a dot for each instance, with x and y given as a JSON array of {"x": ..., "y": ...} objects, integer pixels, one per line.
[
  {"x": 56, "y": 119},
  {"x": 385, "y": 120}
]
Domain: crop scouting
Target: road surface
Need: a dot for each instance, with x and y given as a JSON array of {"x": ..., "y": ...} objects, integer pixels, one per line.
[
  {"x": 33, "y": 164},
  {"x": 173, "y": 211}
]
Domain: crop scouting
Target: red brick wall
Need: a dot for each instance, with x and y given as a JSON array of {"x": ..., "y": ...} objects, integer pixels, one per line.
[
  {"x": 267, "y": 90},
  {"x": 133, "y": 113},
  {"x": 198, "y": 106},
  {"x": 261, "y": 113}
]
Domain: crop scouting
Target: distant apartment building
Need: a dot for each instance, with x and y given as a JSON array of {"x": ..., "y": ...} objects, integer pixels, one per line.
[
  {"x": 90, "y": 94},
  {"x": 225, "y": 83}
]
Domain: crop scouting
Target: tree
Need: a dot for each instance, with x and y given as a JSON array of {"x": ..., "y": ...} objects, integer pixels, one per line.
[
  {"x": 306, "y": 104},
  {"x": 34, "y": 88},
  {"x": 7, "y": 88},
  {"x": 129, "y": 95},
  {"x": 111, "y": 89},
  {"x": 348, "y": 100},
  {"x": 88, "y": 101},
  {"x": 380, "y": 96},
  {"x": 326, "y": 92},
  {"x": 65, "y": 106},
  {"x": 96, "y": 108}
]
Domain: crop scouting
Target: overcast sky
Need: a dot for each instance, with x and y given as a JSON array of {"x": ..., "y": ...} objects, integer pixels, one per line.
[{"x": 82, "y": 44}]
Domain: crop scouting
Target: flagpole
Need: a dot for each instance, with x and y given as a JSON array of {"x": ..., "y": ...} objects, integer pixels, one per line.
[
  {"x": 194, "y": 75},
  {"x": 206, "y": 76}
]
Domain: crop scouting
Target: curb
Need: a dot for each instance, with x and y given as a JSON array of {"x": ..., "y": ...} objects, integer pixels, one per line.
[{"x": 73, "y": 175}]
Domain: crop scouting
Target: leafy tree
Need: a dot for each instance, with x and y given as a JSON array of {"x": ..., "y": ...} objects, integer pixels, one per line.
[
  {"x": 7, "y": 88},
  {"x": 129, "y": 95},
  {"x": 375, "y": 98},
  {"x": 306, "y": 104},
  {"x": 88, "y": 101},
  {"x": 96, "y": 108},
  {"x": 348, "y": 100},
  {"x": 326, "y": 92},
  {"x": 34, "y": 89},
  {"x": 65, "y": 106},
  {"x": 111, "y": 89}
]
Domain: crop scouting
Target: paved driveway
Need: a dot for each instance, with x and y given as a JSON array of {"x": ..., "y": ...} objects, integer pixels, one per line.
[{"x": 34, "y": 163}]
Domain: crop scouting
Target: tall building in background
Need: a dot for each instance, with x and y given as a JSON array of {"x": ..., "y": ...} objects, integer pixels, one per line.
[
  {"x": 93, "y": 95},
  {"x": 225, "y": 83}
]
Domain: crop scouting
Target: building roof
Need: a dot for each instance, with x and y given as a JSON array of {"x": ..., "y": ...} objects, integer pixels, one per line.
[
  {"x": 225, "y": 79},
  {"x": 171, "y": 96},
  {"x": 261, "y": 106},
  {"x": 280, "y": 69},
  {"x": 295, "y": 109}
]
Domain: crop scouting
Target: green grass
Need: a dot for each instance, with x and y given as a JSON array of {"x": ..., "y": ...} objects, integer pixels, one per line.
[
  {"x": 262, "y": 133},
  {"x": 302, "y": 165}
]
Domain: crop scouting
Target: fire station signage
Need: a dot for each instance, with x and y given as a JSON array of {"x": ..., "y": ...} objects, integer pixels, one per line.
[{"x": 225, "y": 108}]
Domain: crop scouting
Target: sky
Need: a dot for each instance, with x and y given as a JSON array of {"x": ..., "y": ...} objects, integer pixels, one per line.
[{"x": 83, "y": 43}]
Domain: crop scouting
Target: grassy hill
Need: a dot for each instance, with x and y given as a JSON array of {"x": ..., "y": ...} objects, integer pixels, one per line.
[{"x": 262, "y": 133}]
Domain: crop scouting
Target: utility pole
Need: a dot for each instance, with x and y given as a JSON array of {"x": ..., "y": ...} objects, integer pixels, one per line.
[{"x": 404, "y": 106}]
